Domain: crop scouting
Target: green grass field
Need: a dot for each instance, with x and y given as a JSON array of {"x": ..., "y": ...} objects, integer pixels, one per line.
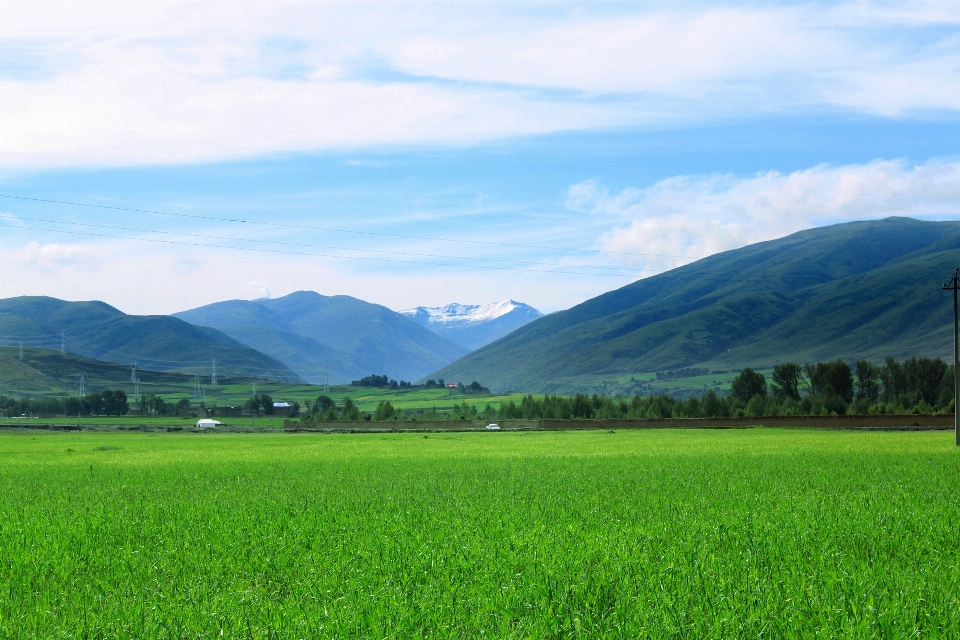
[{"x": 698, "y": 534}]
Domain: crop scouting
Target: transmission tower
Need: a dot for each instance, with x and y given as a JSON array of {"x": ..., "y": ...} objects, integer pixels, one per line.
[
  {"x": 196, "y": 384},
  {"x": 63, "y": 345},
  {"x": 81, "y": 386},
  {"x": 326, "y": 381},
  {"x": 21, "y": 349},
  {"x": 213, "y": 373},
  {"x": 136, "y": 381}
]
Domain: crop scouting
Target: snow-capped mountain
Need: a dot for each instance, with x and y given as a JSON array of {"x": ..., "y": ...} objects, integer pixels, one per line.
[{"x": 474, "y": 325}]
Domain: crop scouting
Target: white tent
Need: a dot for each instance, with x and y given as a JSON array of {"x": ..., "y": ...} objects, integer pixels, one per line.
[{"x": 207, "y": 423}]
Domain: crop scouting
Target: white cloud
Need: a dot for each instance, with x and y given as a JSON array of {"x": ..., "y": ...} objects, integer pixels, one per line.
[
  {"x": 138, "y": 278},
  {"x": 684, "y": 218},
  {"x": 258, "y": 289},
  {"x": 51, "y": 257},
  {"x": 146, "y": 83}
]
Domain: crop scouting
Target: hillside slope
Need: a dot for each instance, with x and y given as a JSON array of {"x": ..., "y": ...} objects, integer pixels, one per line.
[
  {"x": 857, "y": 290},
  {"x": 44, "y": 372},
  {"x": 349, "y": 337},
  {"x": 160, "y": 343}
]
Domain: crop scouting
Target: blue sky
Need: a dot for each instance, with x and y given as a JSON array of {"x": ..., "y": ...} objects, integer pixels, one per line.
[{"x": 161, "y": 156}]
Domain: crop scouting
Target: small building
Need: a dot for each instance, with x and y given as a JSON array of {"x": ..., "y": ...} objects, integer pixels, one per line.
[
  {"x": 452, "y": 385},
  {"x": 207, "y": 423},
  {"x": 281, "y": 409}
]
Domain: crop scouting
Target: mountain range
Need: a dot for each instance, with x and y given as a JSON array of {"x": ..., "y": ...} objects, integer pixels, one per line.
[
  {"x": 474, "y": 325},
  {"x": 332, "y": 338},
  {"x": 160, "y": 343},
  {"x": 856, "y": 290}
]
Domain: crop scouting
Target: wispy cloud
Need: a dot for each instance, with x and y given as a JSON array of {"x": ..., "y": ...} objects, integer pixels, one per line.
[
  {"x": 52, "y": 257},
  {"x": 688, "y": 217},
  {"x": 145, "y": 83}
]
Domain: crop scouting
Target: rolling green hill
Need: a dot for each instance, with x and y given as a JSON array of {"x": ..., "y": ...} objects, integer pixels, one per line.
[
  {"x": 44, "y": 372},
  {"x": 161, "y": 343},
  {"x": 857, "y": 290},
  {"x": 349, "y": 337}
]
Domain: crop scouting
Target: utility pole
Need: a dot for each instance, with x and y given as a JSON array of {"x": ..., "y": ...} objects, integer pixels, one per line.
[
  {"x": 953, "y": 285},
  {"x": 326, "y": 380},
  {"x": 21, "y": 349},
  {"x": 63, "y": 345},
  {"x": 213, "y": 373}
]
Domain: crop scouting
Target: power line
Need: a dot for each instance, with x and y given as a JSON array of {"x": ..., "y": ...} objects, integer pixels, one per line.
[
  {"x": 336, "y": 230},
  {"x": 321, "y": 255},
  {"x": 728, "y": 275},
  {"x": 317, "y": 246}
]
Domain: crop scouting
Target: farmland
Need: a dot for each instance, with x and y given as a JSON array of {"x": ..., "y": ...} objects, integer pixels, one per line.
[
  {"x": 44, "y": 373},
  {"x": 719, "y": 534}
]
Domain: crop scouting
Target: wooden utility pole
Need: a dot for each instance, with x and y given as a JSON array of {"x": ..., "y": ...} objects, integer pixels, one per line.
[{"x": 954, "y": 285}]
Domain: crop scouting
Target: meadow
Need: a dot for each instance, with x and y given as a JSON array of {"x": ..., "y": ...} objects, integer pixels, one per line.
[{"x": 687, "y": 534}]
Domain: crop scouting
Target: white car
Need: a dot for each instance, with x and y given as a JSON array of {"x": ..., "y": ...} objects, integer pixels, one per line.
[{"x": 493, "y": 427}]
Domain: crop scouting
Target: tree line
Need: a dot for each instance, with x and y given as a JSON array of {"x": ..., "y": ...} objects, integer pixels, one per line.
[
  {"x": 918, "y": 385},
  {"x": 105, "y": 403},
  {"x": 381, "y": 381}
]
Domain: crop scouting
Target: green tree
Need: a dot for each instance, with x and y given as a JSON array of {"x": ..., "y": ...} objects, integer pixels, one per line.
[
  {"x": 123, "y": 406},
  {"x": 833, "y": 401},
  {"x": 837, "y": 374},
  {"x": 868, "y": 381},
  {"x": 713, "y": 405},
  {"x": 321, "y": 404},
  {"x": 786, "y": 380},
  {"x": 94, "y": 402},
  {"x": 350, "y": 410},
  {"x": 71, "y": 406},
  {"x": 747, "y": 384},
  {"x": 109, "y": 402},
  {"x": 384, "y": 411},
  {"x": 582, "y": 407},
  {"x": 757, "y": 406}
]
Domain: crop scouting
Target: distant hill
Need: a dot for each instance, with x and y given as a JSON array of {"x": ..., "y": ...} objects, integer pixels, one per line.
[
  {"x": 160, "y": 343},
  {"x": 474, "y": 325},
  {"x": 857, "y": 290},
  {"x": 44, "y": 372},
  {"x": 346, "y": 337}
]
